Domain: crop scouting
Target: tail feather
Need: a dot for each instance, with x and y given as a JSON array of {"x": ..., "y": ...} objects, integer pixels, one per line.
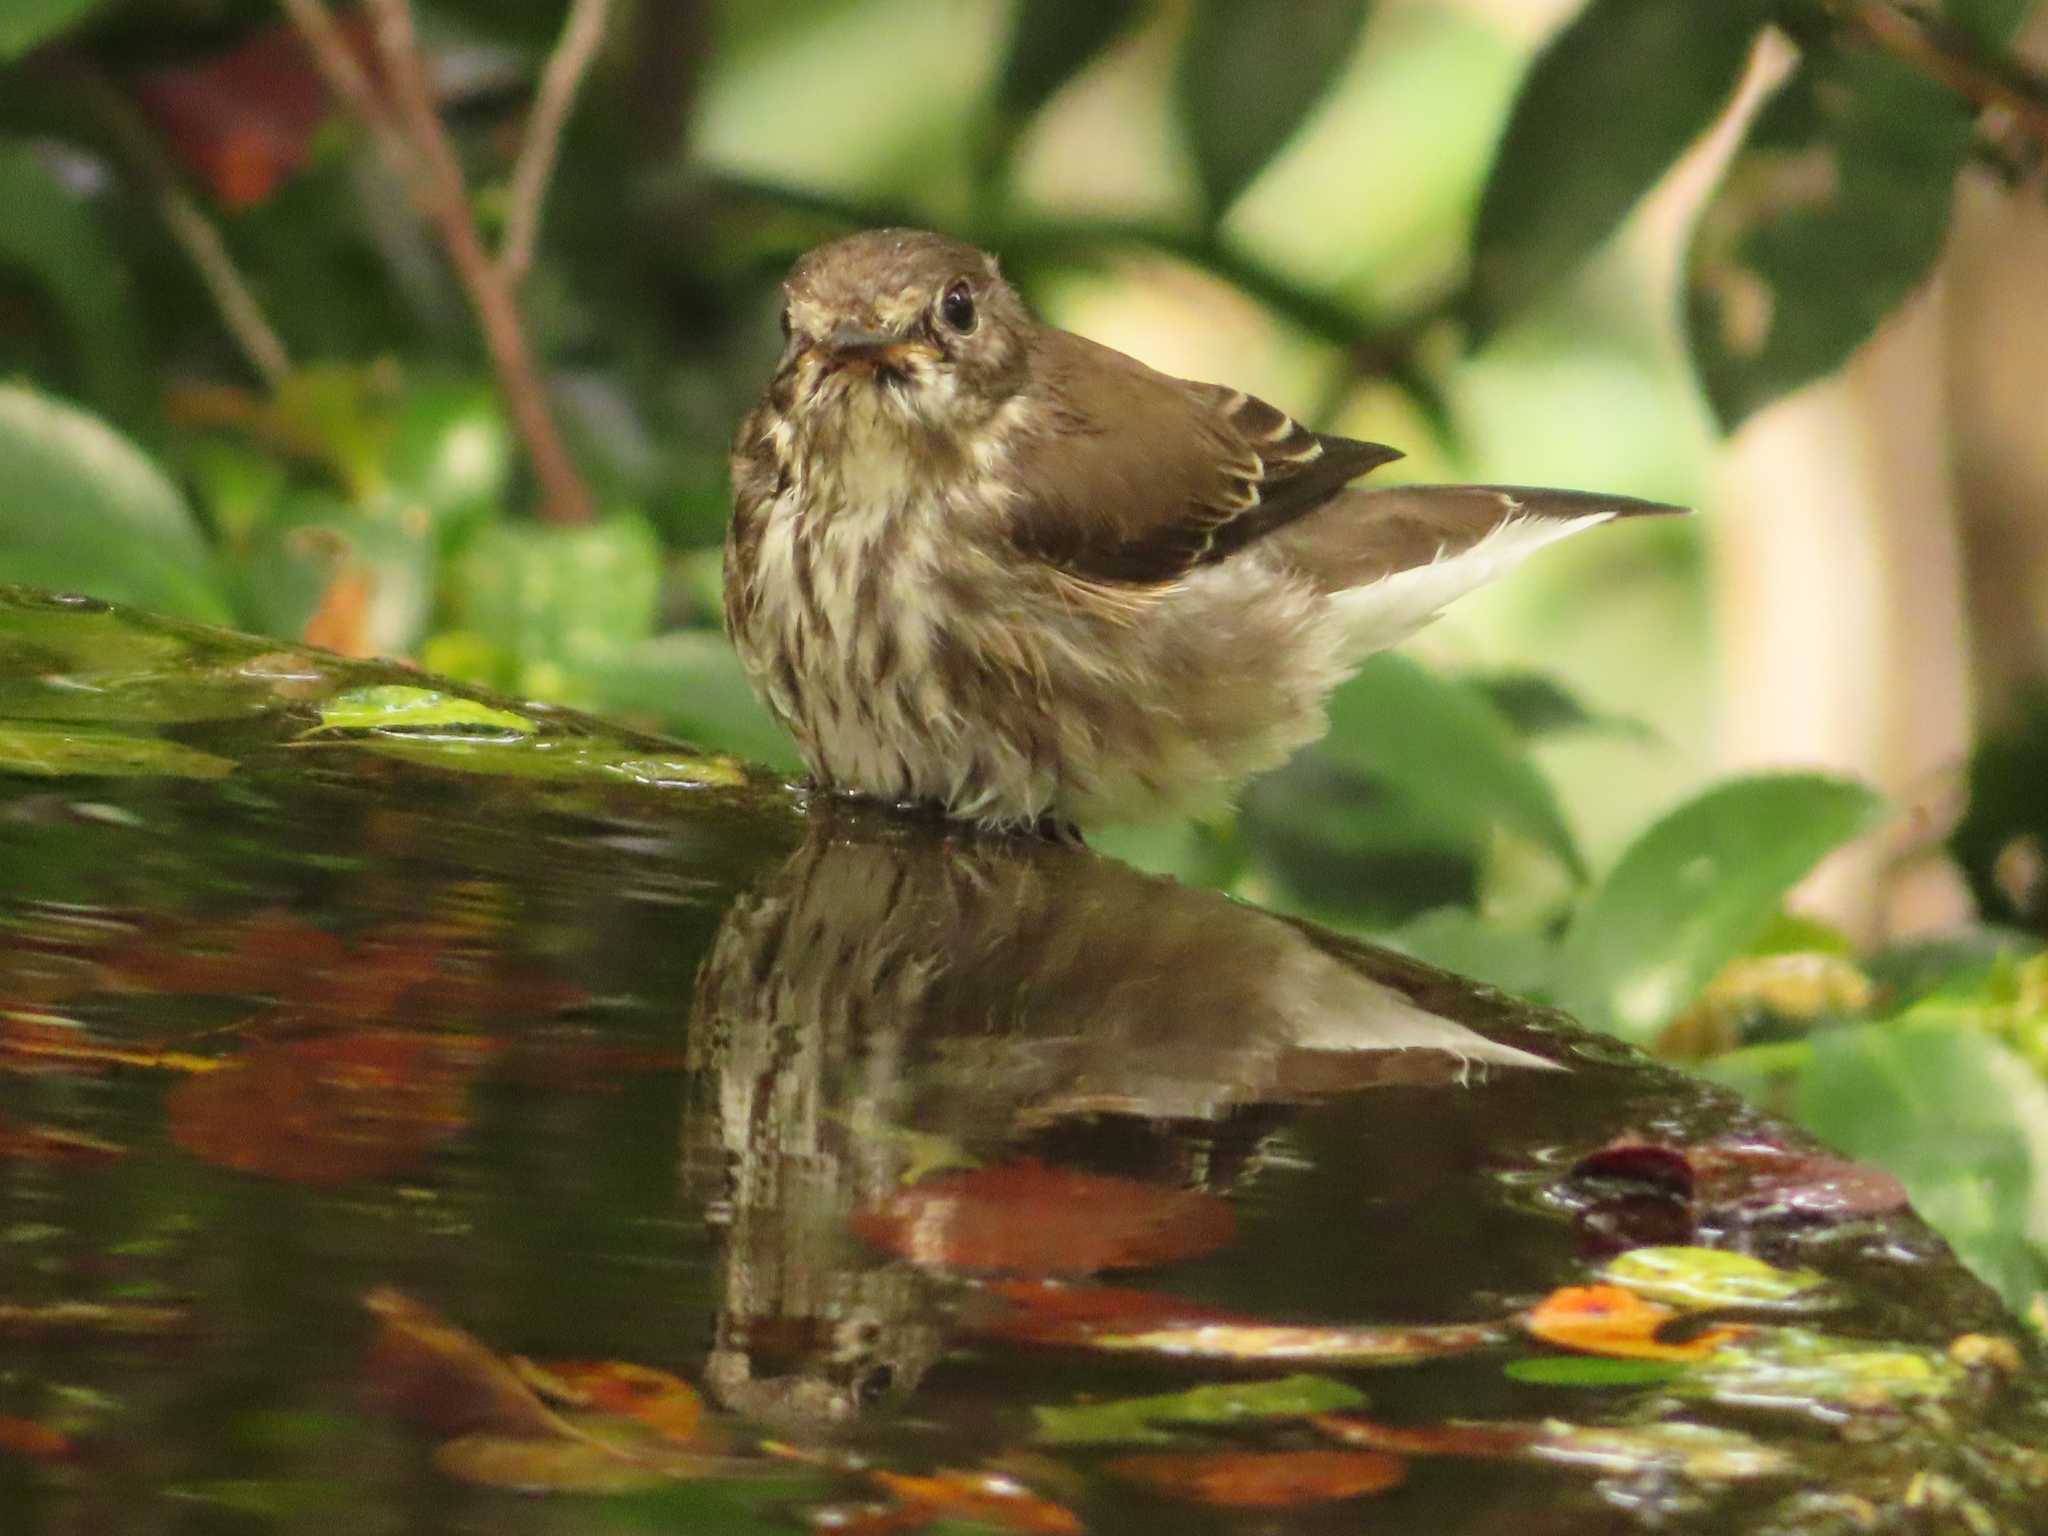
[{"x": 1392, "y": 558}]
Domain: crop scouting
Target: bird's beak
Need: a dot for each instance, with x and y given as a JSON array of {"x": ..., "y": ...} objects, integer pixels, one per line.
[{"x": 850, "y": 344}]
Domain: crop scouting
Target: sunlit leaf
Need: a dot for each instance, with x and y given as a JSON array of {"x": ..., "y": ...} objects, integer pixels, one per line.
[
  {"x": 26, "y": 24},
  {"x": 329, "y": 1110},
  {"x": 77, "y": 751},
  {"x": 394, "y": 707},
  {"x": 1446, "y": 748},
  {"x": 1035, "y": 1219},
  {"x": 1262, "y": 1479},
  {"x": 1142, "y": 1420},
  {"x": 82, "y": 510},
  {"x": 1801, "y": 1371},
  {"x": 1250, "y": 74},
  {"x": 1303, "y": 1344},
  {"x": 1610, "y": 102},
  {"x": 1694, "y": 890},
  {"x": 1709, "y": 1277},
  {"x": 1607, "y": 1320}
]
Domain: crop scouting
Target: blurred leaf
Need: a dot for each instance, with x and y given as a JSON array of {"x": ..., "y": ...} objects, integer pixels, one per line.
[
  {"x": 53, "y": 238},
  {"x": 1692, "y": 892},
  {"x": 979, "y": 1500},
  {"x": 81, "y": 509},
  {"x": 451, "y": 453},
  {"x": 357, "y": 578},
  {"x": 1446, "y": 748},
  {"x": 395, "y": 707},
  {"x": 1262, "y": 1479},
  {"x": 1458, "y": 939},
  {"x": 1609, "y": 1320},
  {"x": 1251, "y": 72},
  {"x": 1137, "y": 1420},
  {"x": 687, "y": 683},
  {"x": 26, "y": 24},
  {"x": 1608, "y": 105},
  {"x": 1537, "y": 704},
  {"x": 546, "y": 1466},
  {"x": 561, "y": 594},
  {"x": 65, "y": 751},
  {"x": 1698, "y": 1451},
  {"x": 1031, "y": 1218},
  {"x": 1831, "y": 213},
  {"x": 1050, "y": 40},
  {"x": 1590, "y": 1371},
  {"x": 1959, "y": 1117},
  {"x": 2002, "y": 840},
  {"x": 1800, "y": 1370}
]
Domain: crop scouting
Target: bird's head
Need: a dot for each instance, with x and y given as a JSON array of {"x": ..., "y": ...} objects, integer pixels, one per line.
[{"x": 902, "y": 323}]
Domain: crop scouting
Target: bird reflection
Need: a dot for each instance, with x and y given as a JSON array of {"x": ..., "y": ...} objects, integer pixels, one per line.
[{"x": 892, "y": 999}]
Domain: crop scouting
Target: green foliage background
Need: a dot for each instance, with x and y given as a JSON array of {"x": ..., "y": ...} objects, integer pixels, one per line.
[{"x": 1401, "y": 220}]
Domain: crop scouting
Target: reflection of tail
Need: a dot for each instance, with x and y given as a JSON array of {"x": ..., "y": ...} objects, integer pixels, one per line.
[{"x": 1395, "y": 557}]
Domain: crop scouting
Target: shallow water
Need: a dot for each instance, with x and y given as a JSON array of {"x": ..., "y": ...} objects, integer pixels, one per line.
[{"x": 603, "y": 1051}]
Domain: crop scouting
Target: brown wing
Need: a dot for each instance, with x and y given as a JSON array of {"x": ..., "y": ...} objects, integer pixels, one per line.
[{"x": 1138, "y": 477}]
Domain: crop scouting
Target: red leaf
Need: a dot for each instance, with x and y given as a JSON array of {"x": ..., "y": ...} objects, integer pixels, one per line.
[
  {"x": 23, "y": 1437},
  {"x": 982, "y": 1498},
  {"x": 1032, "y": 1219},
  {"x": 1078, "y": 1315},
  {"x": 1263, "y": 1479}
]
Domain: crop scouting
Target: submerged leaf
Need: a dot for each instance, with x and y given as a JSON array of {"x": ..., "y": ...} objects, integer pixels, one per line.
[
  {"x": 1708, "y": 1277},
  {"x": 68, "y": 751},
  {"x": 1136, "y": 1420},
  {"x": 558, "y": 757},
  {"x": 548, "y": 1466},
  {"x": 977, "y": 1498},
  {"x": 1698, "y": 1451},
  {"x": 1263, "y": 1479},
  {"x": 1032, "y": 1218}
]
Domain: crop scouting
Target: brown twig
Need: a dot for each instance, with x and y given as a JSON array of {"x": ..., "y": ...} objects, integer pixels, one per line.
[
  {"x": 1937, "y": 52},
  {"x": 408, "y": 131},
  {"x": 560, "y": 80}
]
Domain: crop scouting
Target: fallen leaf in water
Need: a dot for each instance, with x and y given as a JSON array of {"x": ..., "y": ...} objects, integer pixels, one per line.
[
  {"x": 442, "y": 1378},
  {"x": 1077, "y": 1316},
  {"x": 86, "y": 1319},
  {"x": 329, "y": 1110},
  {"x": 265, "y": 952},
  {"x": 47, "y": 1144},
  {"x": 666, "y": 1404},
  {"x": 554, "y": 1466},
  {"x": 1263, "y": 1479},
  {"x": 1305, "y": 1344},
  {"x": 1736, "y": 1182},
  {"x": 1697, "y": 1451},
  {"x": 1591, "y": 1371},
  {"x": 24, "y": 1437},
  {"x": 396, "y": 707},
  {"x": 1799, "y": 1370},
  {"x": 1137, "y": 1420},
  {"x": 1708, "y": 1277},
  {"x": 1031, "y": 1218},
  {"x": 66, "y": 751},
  {"x": 978, "y": 1498},
  {"x": 1607, "y": 1320}
]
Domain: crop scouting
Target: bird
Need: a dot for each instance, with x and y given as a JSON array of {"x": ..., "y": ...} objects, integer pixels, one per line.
[{"x": 987, "y": 566}]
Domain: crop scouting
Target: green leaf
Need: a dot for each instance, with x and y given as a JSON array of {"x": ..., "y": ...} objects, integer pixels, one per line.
[
  {"x": 1050, "y": 40},
  {"x": 51, "y": 236},
  {"x": 64, "y": 751},
  {"x": 1447, "y": 749},
  {"x": 81, "y": 509},
  {"x": 687, "y": 683},
  {"x": 1696, "y": 889},
  {"x": 1709, "y": 1277},
  {"x": 1458, "y": 939},
  {"x": 1134, "y": 1420},
  {"x": 1591, "y": 1371},
  {"x": 1831, "y": 213},
  {"x": 1795, "y": 1368},
  {"x": 26, "y": 24},
  {"x": 571, "y": 758},
  {"x": 1608, "y": 105},
  {"x": 561, "y": 594},
  {"x": 395, "y": 707},
  {"x": 1961, "y": 1118},
  {"x": 1536, "y": 704},
  {"x": 1251, "y": 71}
]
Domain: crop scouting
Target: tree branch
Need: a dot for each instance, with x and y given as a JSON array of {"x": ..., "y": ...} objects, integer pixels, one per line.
[
  {"x": 560, "y": 80},
  {"x": 1941, "y": 53},
  {"x": 408, "y": 131}
]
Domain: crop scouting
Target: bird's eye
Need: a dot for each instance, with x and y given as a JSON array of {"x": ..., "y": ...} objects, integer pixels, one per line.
[{"x": 956, "y": 308}]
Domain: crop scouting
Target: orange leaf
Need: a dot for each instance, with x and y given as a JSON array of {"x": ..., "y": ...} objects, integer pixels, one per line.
[
  {"x": 985, "y": 1498},
  {"x": 665, "y": 1404},
  {"x": 23, "y": 1437},
  {"x": 1263, "y": 1479},
  {"x": 1607, "y": 1320},
  {"x": 1030, "y": 1218},
  {"x": 439, "y": 1376}
]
